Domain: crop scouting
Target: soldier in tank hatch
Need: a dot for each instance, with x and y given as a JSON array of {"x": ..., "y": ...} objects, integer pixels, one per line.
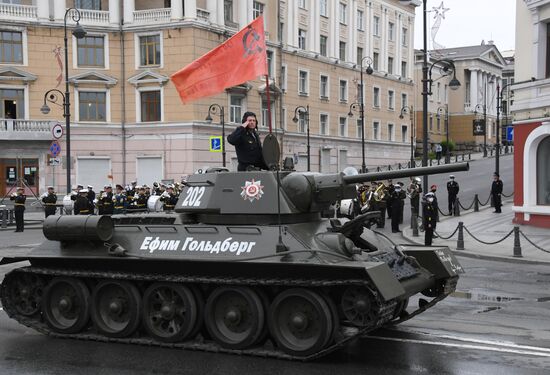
[{"x": 247, "y": 144}]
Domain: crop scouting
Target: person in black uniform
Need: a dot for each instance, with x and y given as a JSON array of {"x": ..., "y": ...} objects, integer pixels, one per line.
[
  {"x": 452, "y": 190},
  {"x": 433, "y": 189},
  {"x": 390, "y": 190},
  {"x": 82, "y": 205},
  {"x": 140, "y": 200},
  {"x": 106, "y": 200},
  {"x": 19, "y": 199},
  {"x": 169, "y": 198},
  {"x": 119, "y": 200},
  {"x": 415, "y": 190},
  {"x": 496, "y": 191},
  {"x": 50, "y": 200},
  {"x": 429, "y": 218},
  {"x": 247, "y": 144},
  {"x": 402, "y": 196},
  {"x": 396, "y": 200}
]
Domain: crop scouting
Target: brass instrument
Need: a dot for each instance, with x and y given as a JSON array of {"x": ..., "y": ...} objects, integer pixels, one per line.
[
  {"x": 380, "y": 192},
  {"x": 413, "y": 190}
]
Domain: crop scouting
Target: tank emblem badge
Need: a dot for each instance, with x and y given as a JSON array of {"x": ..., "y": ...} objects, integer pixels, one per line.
[{"x": 252, "y": 190}]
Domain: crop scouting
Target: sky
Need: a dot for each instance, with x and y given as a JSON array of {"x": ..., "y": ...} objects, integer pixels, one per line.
[{"x": 468, "y": 22}]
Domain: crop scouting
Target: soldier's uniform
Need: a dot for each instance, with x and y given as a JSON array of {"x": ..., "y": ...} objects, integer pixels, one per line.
[
  {"x": 429, "y": 217},
  {"x": 390, "y": 190},
  {"x": 119, "y": 201},
  {"x": 169, "y": 198},
  {"x": 50, "y": 201},
  {"x": 452, "y": 190},
  {"x": 140, "y": 200},
  {"x": 496, "y": 191},
  {"x": 91, "y": 196},
  {"x": 107, "y": 201},
  {"x": 131, "y": 192},
  {"x": 19, "y": 199},
  {"x": 396, "y": 199},
  {"x": 415, "y": 191},
  {"x": 82, "y": 205}
]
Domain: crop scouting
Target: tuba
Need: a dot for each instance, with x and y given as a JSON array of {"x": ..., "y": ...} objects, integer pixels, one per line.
[{"x": 380, "y": 192}]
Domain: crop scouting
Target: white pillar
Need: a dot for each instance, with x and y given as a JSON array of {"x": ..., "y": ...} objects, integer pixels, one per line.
[
  {"x": 212, "y": 8},
  {"x": 114, "y": 11},
  {"x": 370, "y": 29},
  {"x": 242, "y": 13},
  {"x": 129, "y": 8},
  {"x": 473, "y": 89},
  {"x": 352, "y": 32},
  {"x": 313, "y": 27},
  {"x": 334, "y": 35},
  {"x": 176, "y": 9},
  {"x": 384, "y": 40},
  {"x": 292, "y": 28},
  {"x": 398, "y": 46},
  {"x": 59, "y": 8},
  {"x": 42, "y": 9},
  {"x": 190, "y": 10}
]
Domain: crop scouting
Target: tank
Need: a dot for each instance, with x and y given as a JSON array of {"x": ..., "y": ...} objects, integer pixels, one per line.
[{"x": 246, "y": 264}]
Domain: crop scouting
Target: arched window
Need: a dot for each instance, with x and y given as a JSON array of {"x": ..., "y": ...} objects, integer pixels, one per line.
[{"x": 543, "y": 172}]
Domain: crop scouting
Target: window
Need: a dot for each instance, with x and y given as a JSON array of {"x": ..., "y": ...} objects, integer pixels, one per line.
[
  {"x": 228, "y": 11},
  {"x": 343, "y": 128},
  {"x": 543, "y": 172},
  {"x": 235, "y": 108},
  {"x": 390, "y": 65},
  {"x": 404, "y": 133},
  {"x": 438, "y": 123},
  {"x": 303, "y": 82},
  {"x": 323, "y": 124},
  {"x": 359, "y": 128},
  {"x": 343, "y": 90},
  {"x": 404, "y": 36},
  {"x": 342, "y": 159},
  {"x": 431, "y": 123},
  {"x": 438, "y": 92},
  {"x": 302, "y": 4},
  {"x": 270, "y": 68},
  {"x": 301, "y": 39},
  {"x": 149, "y": 50},
  {"x": 87, "y": 4},
  {"x": 403, "y": 69},
  {"x": 343, "y": 11},
  {"x": 359, "y": 93},
  {"x": 92, "y": 106},
  {"x": 375, "y": 130},
  {"x": 323, "y": 45},
  {"x": 375, "y": 60},
  {"x": 391, "y": 31},
  {"x": 390, "y": 132},
  {"x": 404, "y": 100},
  {"x": 263, "y": 122},
  {"x": 360, "y": 20},
  {"x": 302, "y": 126},
  {"x": 359, "y": 56},
  {"x": 376, "y": 26},
  {"x": 391, "y": 99},
  {"x": 342, "y": 50},
  {"x": 323, "y": 87},
  {"x": 376, "y": 97},
  {"x": 91, "y": 51},
  {"x": 323, "y": 8},
  {"x": 11, "y": 47},
  {"x": 12, "y": 103},
  {"x": 257, "y": 9},
  {"x": 150, "y": 106}
]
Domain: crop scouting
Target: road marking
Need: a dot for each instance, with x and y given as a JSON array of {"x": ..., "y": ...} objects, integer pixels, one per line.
[{"x": 540, "y": 352}]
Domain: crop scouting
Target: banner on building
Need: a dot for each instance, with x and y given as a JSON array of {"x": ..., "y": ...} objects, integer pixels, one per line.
[{"x": 479, "y": 127}]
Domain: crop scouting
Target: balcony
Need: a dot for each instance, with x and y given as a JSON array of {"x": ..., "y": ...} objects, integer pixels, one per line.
[
  {"x": 25, "y": 130},
  {"x": 152, "y": 16},
  {"x": 18, "y": 12},
  {"x": 91, "y": 17}
]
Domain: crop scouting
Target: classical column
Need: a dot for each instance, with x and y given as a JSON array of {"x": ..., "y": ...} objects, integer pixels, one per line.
[
  {"x": 129, "y": 8},
  {"x": 334, "y": 35},
  {"x": 212, "y": 8},
  {"x": 473, "y": 89},
  {"x": 43, "y": 10},
  {"x": 114, "y": 12},
  {"x": 370, "y": 29},
  {"x": 312, "y": 30},
  {"x": 242, "y": 13},
  {"x": 59, "y": 7},
  {"x": 190, "y": 9},
  {"x": 176, "y": 9}
]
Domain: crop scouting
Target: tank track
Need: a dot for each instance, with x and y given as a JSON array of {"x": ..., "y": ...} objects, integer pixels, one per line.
[{"x": 386, "y": 314}]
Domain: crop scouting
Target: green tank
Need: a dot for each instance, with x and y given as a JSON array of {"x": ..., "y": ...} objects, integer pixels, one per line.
[{"x": 246, "y": 264}]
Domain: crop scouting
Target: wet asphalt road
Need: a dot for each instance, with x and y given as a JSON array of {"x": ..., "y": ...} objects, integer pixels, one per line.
[{"x": 497, "y": 323}]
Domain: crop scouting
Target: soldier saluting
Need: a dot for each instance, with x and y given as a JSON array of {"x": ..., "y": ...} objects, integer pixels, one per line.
[
  {"x": 50, "y": 200},
  {"x": 19, "y": 199},
  {"x": 247, "y": 143}
]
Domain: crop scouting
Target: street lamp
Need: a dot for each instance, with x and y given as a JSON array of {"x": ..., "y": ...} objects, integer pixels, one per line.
[
  {"x": 439, "y": 110},
  {"x": 369, "y": 71},
  {"x": 51, "y": 95},
  {"x": 305, "y": 111},
  {"x": 213, "y": 109},
  {"x": 409, "y": 109}
]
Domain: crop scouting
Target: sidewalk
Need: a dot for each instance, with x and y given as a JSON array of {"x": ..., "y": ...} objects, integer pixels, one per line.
[{"x": 489, "y": 227}]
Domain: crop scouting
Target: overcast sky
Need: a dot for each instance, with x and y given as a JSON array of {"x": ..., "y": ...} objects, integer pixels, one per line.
[{"x": 468, "y": 22}]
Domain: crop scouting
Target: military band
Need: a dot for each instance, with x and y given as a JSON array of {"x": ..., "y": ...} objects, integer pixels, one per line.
[
  {"x": 49, "y": 199},
  {"x": 19, "y": 199}
]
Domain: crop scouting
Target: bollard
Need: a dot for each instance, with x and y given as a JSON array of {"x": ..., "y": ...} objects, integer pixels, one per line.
[
  {"x": 476, "y": 203},
  {"x": 517, "y": 244},
  {"x": 460, "y": 241},
  {"x": 414, "y": 224},
  {"x": 456, "y": 207},
  {"x": 469, "y": 156},
  {"x": 456, "y": 158}
]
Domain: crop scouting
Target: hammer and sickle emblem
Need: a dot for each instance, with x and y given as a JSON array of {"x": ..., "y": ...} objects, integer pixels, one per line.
[{"x": 250, "y": 42}]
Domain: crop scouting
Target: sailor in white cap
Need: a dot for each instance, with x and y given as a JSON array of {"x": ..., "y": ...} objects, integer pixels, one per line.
[
  {"x": 82, "y": 205},
  {"x": 49, "y": 199},
  {"x": 452, "y": 190},
  {"x": 429, "y": 217}
]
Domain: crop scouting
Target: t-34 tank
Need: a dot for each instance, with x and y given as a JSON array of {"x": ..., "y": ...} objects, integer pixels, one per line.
[{"x": 246, "y": 264}]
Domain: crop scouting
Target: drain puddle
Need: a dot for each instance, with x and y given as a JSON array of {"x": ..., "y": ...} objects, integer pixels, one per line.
[{"x": 495, "y": 297}]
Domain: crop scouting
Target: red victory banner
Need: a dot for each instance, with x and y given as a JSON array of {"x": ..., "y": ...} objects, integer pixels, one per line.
[{"x": 239, "y": 59}]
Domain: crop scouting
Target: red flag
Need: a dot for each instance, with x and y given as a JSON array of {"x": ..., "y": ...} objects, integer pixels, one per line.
[{"x": 241, "y": 58}]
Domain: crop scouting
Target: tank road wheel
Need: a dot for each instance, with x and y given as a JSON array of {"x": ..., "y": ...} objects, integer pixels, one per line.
[
  {"x": 300, "y": 321},
  {"x": 358, "y": 306},
  {"x": 24, "y": 291},
  {"x": 116, "y": 307},
  {"x": 66, "y": 305},
  {"x": 234, "y": 317},
  {"x": 169, "y": 311}
]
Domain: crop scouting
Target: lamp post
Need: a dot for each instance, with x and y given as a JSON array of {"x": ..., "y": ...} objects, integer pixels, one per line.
[
  {"x": 369, "y": 71},
  {"x": 357, "y": 106},
  {"x": 51, "y": 95},
  {"x": 410, "y": 111},
  {"x": 212, "y": 110},
  {"x": 446, "y": 120},
  {"x": 305, "y": 111}
]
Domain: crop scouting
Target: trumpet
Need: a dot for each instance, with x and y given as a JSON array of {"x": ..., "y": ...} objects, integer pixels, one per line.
[{"x": 413, "y": 190}]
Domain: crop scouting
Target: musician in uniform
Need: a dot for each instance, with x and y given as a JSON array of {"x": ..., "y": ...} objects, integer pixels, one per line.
[
  {"x": 395, "y": 202},
  {"x": 433, "y": 189},
  {"x": 140, "y": 199},
  {"x": 106, "y": 200},
  {"x": 19, "y": 199},
  {"x": 452, "y": 190},
  {"x": 403, "y": 196},
  {"x": 49, "y": 199},
  {"x": 82, "y": 205},
  {"x": 131, "y": 191},
  {"x": 429, "y": 217},
  {"x": 119, "y": 200},
  {"x": 390, "y": 189},
  {"x": 75, "y": 191},
  {"x": 91, "y": 195},
  {"x": 99, "y": 202},
  {"x": 169, "y": 198},
  {"x": 414, "y": 190}
]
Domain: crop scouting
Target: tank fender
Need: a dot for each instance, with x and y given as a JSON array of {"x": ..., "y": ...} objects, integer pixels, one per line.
[
  {"x": 384, "y": 280},
  {"x": 440, "y": 261}
]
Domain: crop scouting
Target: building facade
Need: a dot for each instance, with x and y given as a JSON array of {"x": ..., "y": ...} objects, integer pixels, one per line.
[
  {"x": 531, "y": 113},
  {"x": 127, "y": 121},
  {"x": 479, "y": 71}
]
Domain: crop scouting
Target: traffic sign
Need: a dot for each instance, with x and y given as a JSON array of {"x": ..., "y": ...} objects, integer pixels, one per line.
[
  {"x": 510, "y": 133},
  {"x": 55, "y": 161},
  {"x": 216, "y": 144},
  {"x": 57, "y": 131},
  {"x": 55, "y": 149}
]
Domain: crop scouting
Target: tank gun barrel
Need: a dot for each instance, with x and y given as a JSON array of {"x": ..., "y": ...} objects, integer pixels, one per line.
[{"x": 421, "y": 171}]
